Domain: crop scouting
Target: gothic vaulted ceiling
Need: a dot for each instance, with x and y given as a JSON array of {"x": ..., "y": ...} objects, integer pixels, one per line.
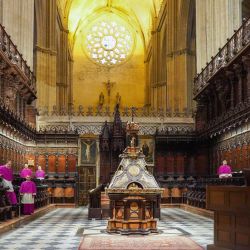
[{"x": 139, "y": 13}]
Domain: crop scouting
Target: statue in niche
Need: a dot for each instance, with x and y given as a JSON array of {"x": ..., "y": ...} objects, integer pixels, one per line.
[
  {"x": 101, "y": 99},
  {"x": 118, "y": 99},
  {"x": 10, "y": 96},
  {"x": 133, "y": 186},
  {"x": 132, "y": 142},
  {"x": 145, "y": 149}
]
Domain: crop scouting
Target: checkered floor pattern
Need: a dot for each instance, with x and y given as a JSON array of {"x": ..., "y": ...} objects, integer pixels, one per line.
[{"x": 62, "y": 228}]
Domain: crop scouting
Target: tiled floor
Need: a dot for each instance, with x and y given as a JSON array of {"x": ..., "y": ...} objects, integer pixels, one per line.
[{"x": 62, "y": 229}]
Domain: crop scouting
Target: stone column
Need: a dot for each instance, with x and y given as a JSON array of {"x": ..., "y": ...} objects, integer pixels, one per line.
[
  {"x": 46, "y": 55},
  {"x": 97, "y": 162}
]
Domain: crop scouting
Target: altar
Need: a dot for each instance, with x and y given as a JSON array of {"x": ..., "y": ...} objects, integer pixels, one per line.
[{"x": 134, "y": 193}]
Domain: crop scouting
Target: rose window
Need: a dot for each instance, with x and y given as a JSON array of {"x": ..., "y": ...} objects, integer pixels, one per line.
[{"x": 109, "y": 43}]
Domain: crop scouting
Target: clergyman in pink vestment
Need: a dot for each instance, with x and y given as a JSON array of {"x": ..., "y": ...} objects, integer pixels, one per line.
[
  {"x": 224, "y": 171},
  {"x": 7, "y": 175},
  {"x": 28, "y": 191},
  {"x": 26, "y": 171},
  {"x": 40, "y": 174}
]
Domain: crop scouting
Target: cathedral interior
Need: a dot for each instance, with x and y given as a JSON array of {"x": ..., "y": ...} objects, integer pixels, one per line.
[{"x": 132, "y": 109}]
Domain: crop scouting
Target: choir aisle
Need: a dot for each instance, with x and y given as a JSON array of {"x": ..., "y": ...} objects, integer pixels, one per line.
[{"x": 62, "y": 228}]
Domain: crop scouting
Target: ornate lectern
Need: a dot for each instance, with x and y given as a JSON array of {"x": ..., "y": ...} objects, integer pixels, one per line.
[{"x": 134, "y": 193}]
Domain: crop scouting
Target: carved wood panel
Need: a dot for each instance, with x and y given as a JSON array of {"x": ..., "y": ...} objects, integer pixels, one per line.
[
  {"x": 170, "y": 163},
  {"x": 61, "y": 164},
  {"x": 87, "y": 181},
  {"x": 160, "y": 163},
  {"x": 244, "y": 156},
  {"x": 72, "y": 163},
  {"x": 42, "y": 161},
  {"x": 180, "y": 164},
  {"x": 30, "y": 157},
  {"x": 52, "y": 163}
]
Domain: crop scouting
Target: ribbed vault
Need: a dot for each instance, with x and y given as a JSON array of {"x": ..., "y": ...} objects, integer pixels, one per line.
[{"x": 139, "y": 14}]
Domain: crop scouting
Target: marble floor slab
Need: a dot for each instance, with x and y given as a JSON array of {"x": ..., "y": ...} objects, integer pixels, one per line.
[{"x": 63, "y": 228}]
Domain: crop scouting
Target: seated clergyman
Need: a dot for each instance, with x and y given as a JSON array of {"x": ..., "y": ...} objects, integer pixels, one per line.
[
  {"x": 40, "y": 174},
  {"x": 224, "y": 171}
]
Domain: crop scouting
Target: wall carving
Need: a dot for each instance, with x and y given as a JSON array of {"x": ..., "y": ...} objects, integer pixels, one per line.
[
  {"x": 97, "y": 128},
  {"x": 106, "y": 111},
  {"x": 14, "y": 66}
]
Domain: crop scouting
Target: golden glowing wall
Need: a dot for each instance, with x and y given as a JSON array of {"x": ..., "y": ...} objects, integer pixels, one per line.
[
  {"x": 171, "y": 57},
  {"x": 88, "y": 78},
  {"x": 129, "y": 77}
]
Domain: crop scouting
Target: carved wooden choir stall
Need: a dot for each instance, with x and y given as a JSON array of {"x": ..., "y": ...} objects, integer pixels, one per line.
[
  {"x": 231, "y": 206},
  {"x": 134, "y": 193}
]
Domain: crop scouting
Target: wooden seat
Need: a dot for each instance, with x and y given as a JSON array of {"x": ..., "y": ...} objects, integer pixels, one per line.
[
  {"x": 69, "y": 192},
  {"x": 58, "y": 194},
  {"x": 166, "y": 195},
  {"x": 176, "y": 195}
]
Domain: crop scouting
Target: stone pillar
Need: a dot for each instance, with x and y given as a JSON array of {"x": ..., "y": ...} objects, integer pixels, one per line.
[
  {"x": 97, "y": 162},
  {"x": 70, "y": 80},
  {"x": 46, "y": 18}
]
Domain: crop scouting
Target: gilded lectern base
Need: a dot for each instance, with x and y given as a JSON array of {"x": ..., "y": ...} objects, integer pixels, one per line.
[
  {"x": 132, "y": 227},
  {"x": 133, "y": 192}
]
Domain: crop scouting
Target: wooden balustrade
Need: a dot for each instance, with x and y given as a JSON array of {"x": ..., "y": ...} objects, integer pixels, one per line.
[
  {"x": 13, "y": 58},
  {"x": 234, "y": 46}
]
